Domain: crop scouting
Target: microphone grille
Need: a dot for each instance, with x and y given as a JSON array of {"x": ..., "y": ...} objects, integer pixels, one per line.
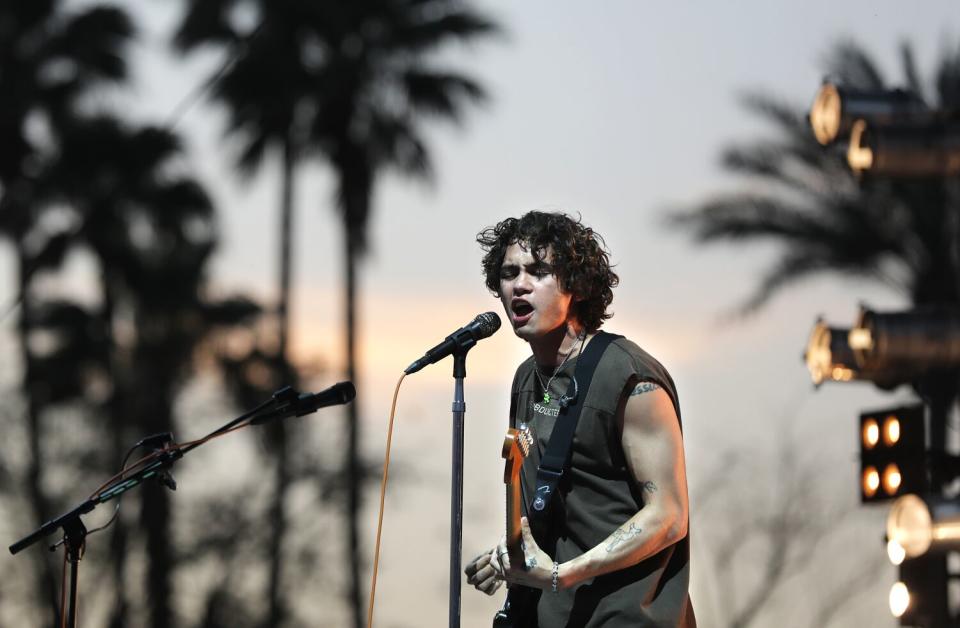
[
  {"x": 346, "y": 391},
  {"x": 487, "y": 323}
]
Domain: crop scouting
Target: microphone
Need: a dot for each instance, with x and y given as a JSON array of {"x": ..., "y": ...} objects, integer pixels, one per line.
[
  {"x": 300, "y": 404},
  {"x": 463, "y": 339}
]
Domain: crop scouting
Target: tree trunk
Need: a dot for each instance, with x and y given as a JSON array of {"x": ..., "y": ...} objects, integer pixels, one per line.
[
  {"x": 120, "y": 441},
  {"x": 286, "y": 247},
  {"x": 155, "y": 518},
  {"x": 46, "y": 583},
  {"x": 152, "y": 399},
  {"x": 276, "y": 613},
  {"x": 353, "y": 436}
]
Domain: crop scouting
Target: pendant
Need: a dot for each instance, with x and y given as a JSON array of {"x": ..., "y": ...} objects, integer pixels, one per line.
[{"x": 546, "y": 397}]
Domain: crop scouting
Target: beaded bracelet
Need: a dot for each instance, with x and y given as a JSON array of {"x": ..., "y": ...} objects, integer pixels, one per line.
[{"x": 555, "y": 576}]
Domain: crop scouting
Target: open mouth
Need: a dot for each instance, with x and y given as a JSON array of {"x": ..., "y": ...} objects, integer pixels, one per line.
[{"x": 521, "y": 311}]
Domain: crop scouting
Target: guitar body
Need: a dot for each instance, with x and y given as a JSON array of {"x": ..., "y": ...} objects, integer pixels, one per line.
[{"x": 520, "y": 608}]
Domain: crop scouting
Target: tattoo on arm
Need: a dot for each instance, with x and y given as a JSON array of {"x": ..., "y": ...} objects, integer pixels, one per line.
[
  {"x": 621, "y": 536},
  {"x": 648, "y": 487},
  {"x": 643, "y": 387}
]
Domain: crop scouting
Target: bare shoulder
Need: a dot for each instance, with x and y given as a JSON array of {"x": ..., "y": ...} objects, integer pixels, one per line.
[
  {"x": 649, "y": 408},
  {"x": 653, "y": 447}
]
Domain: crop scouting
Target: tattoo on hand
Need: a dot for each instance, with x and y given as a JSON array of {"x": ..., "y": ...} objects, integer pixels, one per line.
[
  {"x": 621, "y": 536},
  {"x": 644, "y": 387},
  {"x": 649, "y": 487}
]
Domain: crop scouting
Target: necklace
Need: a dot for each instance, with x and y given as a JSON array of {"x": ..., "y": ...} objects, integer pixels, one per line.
[{"x": 564, "y": 400}]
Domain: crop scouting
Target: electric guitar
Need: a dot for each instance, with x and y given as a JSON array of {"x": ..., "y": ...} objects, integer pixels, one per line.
[{"x": 519, "y": 609}]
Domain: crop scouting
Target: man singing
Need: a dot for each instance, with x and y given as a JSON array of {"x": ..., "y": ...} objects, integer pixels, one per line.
[{"x": 611, "y": 550}]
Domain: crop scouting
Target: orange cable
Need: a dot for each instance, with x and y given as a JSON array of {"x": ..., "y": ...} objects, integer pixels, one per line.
[
  {"x": 156, "y": 454},
  {"x": 383, "y": 492}
]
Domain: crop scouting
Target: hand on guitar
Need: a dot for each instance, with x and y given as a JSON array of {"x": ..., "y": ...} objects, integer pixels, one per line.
[
  {"x": 532, "y": 568},
  {"x": 484, "y": 573}
]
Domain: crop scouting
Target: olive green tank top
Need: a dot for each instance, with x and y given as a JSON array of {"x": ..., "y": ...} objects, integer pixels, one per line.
[{"x": 597, "y": 495}]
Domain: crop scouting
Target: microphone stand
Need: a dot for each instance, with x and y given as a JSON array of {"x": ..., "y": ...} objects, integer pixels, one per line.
[
  {"x": 282, "y": 404},
  {"x": 456, "y": 486}
]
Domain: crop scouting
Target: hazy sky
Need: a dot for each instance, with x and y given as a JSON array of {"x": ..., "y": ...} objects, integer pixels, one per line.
[{"x": 616, "y": 110}]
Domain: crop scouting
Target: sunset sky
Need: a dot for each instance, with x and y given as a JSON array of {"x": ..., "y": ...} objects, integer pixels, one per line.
[{"x": 616, "y": 110}]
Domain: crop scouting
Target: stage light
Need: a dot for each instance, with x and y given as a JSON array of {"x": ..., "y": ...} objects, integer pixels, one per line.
[
  {"x": 919, "y": 598},
  {"x": 891, "y": 480},
  {"x": 922, "y": 525},
  {"x": 891, "y": 430},
  {"x": 899, "y": 599},
  {"x": 829, "y": 357},
  {"x": 906, "y": 345},
  {"x": 870, "y": 434},
  {"x": 895, "y": 552},
  {"x": 836, "y": 108},
  {"x": 893, "y": 458},
  {"x": 905, "y": 151},
  {"x": 870, "y": 481}
]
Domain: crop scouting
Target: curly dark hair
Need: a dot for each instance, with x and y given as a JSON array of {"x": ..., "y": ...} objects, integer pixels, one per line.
[{"x": 581, "y": 262}]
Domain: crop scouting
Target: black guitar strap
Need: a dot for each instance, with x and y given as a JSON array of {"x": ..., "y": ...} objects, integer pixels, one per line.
[{"x": 557, "y": 453}]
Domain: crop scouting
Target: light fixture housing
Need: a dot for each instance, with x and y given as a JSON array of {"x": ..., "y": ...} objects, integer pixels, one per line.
[
  {"x": 906, "y": 345},
  {"x": 836, "y": 108},
  {"x": 905, "y": 151},
  {"x": 893, "y": 457},
  {"x": 924, "y": 524},
  {"x": 830, "y": 358}
]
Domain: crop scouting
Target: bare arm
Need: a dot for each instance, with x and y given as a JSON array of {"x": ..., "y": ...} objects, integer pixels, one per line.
[{"x": 653, "y": 447}]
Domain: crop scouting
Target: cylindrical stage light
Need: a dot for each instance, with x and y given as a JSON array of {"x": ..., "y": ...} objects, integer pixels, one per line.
[
  {"x": 829, "y": 357},
  {"x": 920, "y": 526},
  {"x": 907, "y": 344},
  {"x": 836, "y": 108},
  {"x": 906, "y": 151}
]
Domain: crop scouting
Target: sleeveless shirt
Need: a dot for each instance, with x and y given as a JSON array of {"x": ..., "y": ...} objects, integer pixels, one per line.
[{"x": 596, "y": 495}]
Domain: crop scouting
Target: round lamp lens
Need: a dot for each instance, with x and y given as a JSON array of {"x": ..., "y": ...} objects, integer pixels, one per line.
[
  {"x": 891, "y": 431},
  {"x": 871, "y": 434},
  {"x": 899, "y": 599},
  {"x": 891, "y": 479},
  {"x": 895, "y": 552},
  {"x": 871, "y": 481}
]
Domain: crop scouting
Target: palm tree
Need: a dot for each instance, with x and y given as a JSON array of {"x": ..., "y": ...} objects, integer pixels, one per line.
[
  {"x": 262, "y": 91},
  {"x": 51, "y": 59},
  {"x": 353, "y": 84},
  {"x": 805, "y": 198},
  {"x": 152, "y": 233}
]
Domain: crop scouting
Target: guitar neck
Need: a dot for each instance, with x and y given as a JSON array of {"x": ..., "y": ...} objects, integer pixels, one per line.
[
  {"x": 516, "y": 446},
  {"x": 514, "y": 511}
]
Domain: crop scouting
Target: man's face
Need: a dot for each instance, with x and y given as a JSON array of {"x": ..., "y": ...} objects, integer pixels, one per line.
[{"x": 531, "y": 294}]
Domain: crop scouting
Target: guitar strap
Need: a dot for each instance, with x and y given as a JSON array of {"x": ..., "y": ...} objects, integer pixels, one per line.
[{"x": 557, "y": 452}]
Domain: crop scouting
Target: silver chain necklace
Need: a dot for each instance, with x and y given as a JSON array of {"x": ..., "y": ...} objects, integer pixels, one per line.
[{"x": 564, "y": 400}]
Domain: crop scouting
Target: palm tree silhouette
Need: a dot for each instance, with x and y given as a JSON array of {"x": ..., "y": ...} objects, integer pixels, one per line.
[
  {"x": 111, "y": 177},
  {"x": 152, "y": 232},
  {"x": 352, "y": 83},
  {"x": 51, "y": 59},
  {"x": 805, "y": 198}
]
